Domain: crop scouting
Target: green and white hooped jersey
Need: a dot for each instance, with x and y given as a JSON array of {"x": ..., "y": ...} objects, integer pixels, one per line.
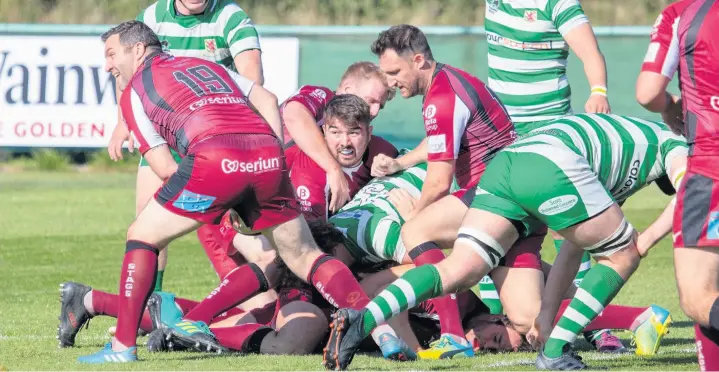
[
  {"x": 528, "y": 55},
  {"x": 626, "y": 153},
  {"x": 371, "y": 224},
  {"x": 222, "y": 32}
]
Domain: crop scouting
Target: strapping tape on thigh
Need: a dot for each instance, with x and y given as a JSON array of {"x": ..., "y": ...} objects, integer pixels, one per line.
[
  {"x": 619, "y": 240},
  {"x": 484, "y": 245}
]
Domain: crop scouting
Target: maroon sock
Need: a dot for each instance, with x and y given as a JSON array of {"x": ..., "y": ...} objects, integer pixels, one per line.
[
  {"x": 707, "y": 348},
  {"x": 137, "y": 279},
  {"x": 336, "y": 283},
  {"x": 238, "y": 286},
  {"x": 446, "y": 306},
  {"x": 186, "y": 305},
  {"x": 246, "y": 338},
  {"x": 612, "y": 317},
  {"x": 216, "y": 249},
  {"x": 106, "y": 304}
]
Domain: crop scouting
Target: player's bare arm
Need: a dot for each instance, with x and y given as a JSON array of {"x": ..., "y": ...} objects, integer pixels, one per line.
[
  {"x": 652, "y": 91},
  {"x": 161, "y": 161},
  {"x": 663, "y": 224},
  {"x": 249, "y": 65},
  {"x": 583, "y": 43},
  {"x": 265, "y": 103},
  {"x": 437, "y": 184}
]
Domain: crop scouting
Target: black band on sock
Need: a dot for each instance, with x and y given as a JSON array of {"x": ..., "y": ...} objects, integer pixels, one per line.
[
  {"x": 254, "y": 343},
  {"x": 264, "y": 284},
  {"x": 714, "y": 315},
  {"x": 131, "y": 245},
  {"x": 322, "y": 259},
  {"x": 424, "y": 247}
]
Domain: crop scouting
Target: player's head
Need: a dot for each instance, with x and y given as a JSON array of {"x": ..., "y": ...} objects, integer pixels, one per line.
[
  {"x": 495, "y": 333},
  {"x": 126, "y": 46},
  {"x": 346, "y": 127},
  {"x": 405, "y": 57},
  {"x": 190, "y": 7},
  {"x": 365, "y": 80}
]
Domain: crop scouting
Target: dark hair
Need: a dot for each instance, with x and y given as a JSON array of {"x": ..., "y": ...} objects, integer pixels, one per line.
[
  {"x": 349, "y": 109},
  {"x": 402, "y": 39},
  {"x": 133, "y": 32}
]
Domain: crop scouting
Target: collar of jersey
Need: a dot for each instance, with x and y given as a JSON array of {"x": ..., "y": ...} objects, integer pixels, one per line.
[{"x": 191, "y": 20}]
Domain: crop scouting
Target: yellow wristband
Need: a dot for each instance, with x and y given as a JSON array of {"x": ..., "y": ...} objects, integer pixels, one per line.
[{"x": 600, "y": 90}]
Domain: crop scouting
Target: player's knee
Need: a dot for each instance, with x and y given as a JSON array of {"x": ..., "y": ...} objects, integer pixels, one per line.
[
  {"x": 484, "y": 245},
  {"x": 694, "y": 302},
  {"x": 522, "y": 317},
  {"x": 620, "y": 247}
]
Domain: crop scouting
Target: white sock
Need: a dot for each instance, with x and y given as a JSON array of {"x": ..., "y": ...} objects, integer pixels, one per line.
[{"x": 87, "y": 301}]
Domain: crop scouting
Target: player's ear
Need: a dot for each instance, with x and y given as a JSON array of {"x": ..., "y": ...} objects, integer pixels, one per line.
[{"x": 418, "y": 60}]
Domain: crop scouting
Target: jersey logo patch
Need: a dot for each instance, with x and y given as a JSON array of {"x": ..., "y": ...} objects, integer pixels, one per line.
[
  {"x": 558, "y": 205},
  {"x": 192, "y": 202},
  {"x": 430, "y": 111},
  {"x": 492, "y": 5},
  {"x": 530, "y": 15},
  {"x": 437, "y": 144},
  {"x": 713, "y": 226},
  {"x": 303, "y": 192},
  {"x": 210, "y": 47}
]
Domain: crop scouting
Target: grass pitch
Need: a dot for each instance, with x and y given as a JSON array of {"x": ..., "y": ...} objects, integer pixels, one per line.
[{"x": 56, "y": 227}]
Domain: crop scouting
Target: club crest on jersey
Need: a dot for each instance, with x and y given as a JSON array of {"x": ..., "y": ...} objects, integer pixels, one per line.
[
  {"x": 210, "y": 47},
  {"x": 530, "y": 15},
  {"x": 319, "y": 94},
  {"x": 165, "y": 46},
  {"x": 492, "y": 5},
  {"x": 303, "y": 192}
]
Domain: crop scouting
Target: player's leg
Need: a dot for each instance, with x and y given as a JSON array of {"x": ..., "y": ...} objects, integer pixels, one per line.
[
  {"x": 520, "y": 281},
  {"x": 146, "y": 185},
  {"x": 696, "y": 257},
  {"x": 433, "y": 228},
  {"x": 482, "y": 241}
]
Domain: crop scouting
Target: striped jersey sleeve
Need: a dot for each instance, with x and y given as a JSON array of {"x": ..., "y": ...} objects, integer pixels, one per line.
[
  {"x": 138, "y": 122},
  {"x": 567, "y": 14},
  {"x": 237, "y": 27}
]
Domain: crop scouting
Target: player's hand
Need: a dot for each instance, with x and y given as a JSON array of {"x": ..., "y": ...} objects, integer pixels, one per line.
[
  {"x": 597, "y": 104},
  {"x": 644, "y": 243},
  {"x": 119, "y": 135},
  {"x": 540, "y": 331},
  {"x": 403, "y": 201},
  {"x": 340, "y": 189},
  {"x": 383, "y": 165},
  {"x": 674, "y": 116}
]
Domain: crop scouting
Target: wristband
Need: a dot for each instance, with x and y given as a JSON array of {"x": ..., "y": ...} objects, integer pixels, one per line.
[{"x": 599, "y": 90}]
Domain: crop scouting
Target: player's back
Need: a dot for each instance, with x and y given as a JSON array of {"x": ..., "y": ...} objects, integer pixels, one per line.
[
  {"x": 626, "y": 153},
  {"x": 698, "y": 75},
  {"x": 188, "y": 99},
  {"x": 480, "y": 125}
]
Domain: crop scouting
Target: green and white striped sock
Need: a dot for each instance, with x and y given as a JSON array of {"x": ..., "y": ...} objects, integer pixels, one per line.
[
  {"x": 489, "y": 295},
  {"x": 598, "y": 289},
  {"x": 583, "y": 267},
  {"x": 415, "y": 286}
]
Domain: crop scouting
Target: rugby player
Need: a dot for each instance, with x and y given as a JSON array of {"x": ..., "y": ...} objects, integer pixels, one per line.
[
  {"x": 160, "y": 94},
  {"x": 660, "y": 64},
  {"x": 586, "y": 162},
  {"x": 681, "y": 40},
  {"x": 465, "y": 125},
  {"x": 214, "y": 30},
  {"x": 371, "y": 225},
  {"x": 528, "y": 50},
  {"x": 696, "y": 237}
]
